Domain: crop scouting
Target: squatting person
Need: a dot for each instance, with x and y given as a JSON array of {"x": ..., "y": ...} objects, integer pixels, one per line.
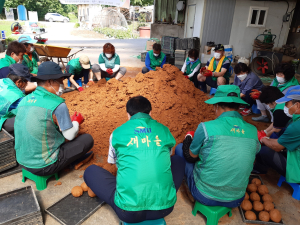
[
  {"x": 191, "y": 66},
  {"x": 154, "y": 58}
]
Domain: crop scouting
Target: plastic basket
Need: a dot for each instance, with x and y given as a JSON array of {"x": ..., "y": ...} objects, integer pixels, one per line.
[{"x": 7, "y": 151}]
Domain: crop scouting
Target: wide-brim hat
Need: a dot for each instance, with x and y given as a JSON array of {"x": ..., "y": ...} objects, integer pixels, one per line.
[
  {"x": 292, "y": 94},
  {"x": 228, "y": 94},
  {"x": 49, "y": 71},
  {"x": 20, "y": 70}
]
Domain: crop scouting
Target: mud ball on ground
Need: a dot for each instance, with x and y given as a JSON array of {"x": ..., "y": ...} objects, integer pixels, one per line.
[
  {"x": 246, "y": 196},
  {"x": 254, "y": 196},
  {"x": 268, "y": 206},
  {"x": 267, "y": 198},
  {"x": 91, "y": 193},
  {"x": 84, "y": 186},
  {"x": 77, "y": 191},
  {"x": 263, "y": 189},
  {"x": 275, "y": 215},
  {"x": 258, "y": 206},
  {"x": 246, "y": 205},
  {"x": 249, "y": 215},
  {"x": 256, "y": 181},
  {"x": 252, "y": 187},
  {"x": 264, "y": 216}
]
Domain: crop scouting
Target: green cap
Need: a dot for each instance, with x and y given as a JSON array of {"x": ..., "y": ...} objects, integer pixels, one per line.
[{"x": 227, "y": 93}]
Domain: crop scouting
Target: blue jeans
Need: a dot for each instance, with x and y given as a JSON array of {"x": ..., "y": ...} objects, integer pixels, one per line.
[{"x": 189, "y": 168}]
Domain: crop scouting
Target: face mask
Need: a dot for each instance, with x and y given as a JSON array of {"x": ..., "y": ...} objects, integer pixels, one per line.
[
  {"x": 242, "y": 76},
  {"x": 60, "y": 89},
  {"x": 286, "y": 111},
  {"x": 31, "y": 49},
  {"x": 191, "y": 60},
  {"x": 155, "y": 54},
  {"x": 217, "y": 55},
  {"x": 269, "y": 107},
  {"x": 280, "y": 80},
  {"x": 108, "y": 55},
  {"x": 216, "y": 109}
]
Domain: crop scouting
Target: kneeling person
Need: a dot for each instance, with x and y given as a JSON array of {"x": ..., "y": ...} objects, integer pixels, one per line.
[
  {"x": 226, "y": 147},
  {"x": 147, "y": 177},
  {"x": 43, "y": 123},
  {"x": 12, "y": 91}
]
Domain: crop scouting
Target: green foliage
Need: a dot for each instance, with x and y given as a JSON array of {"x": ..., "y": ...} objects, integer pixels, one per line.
[
  {"x": 42, "y": 6},
  {"x": 73, "y": 17},
  {"x": 11, "y": 39},
  {"x": 119, "y": 34},
  {"x": 76, "y": 25},
  {"x": 141, "y": 2}
]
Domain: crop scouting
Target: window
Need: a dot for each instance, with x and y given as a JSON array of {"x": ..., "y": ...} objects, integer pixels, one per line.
[{"x": 257, "y": 16}]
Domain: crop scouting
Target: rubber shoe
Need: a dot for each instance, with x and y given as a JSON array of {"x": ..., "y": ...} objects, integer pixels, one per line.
[
  {"x": 242, "y": 107},
  {"x": 264, "y": 119},
  {"x": 246, "y": 112}
]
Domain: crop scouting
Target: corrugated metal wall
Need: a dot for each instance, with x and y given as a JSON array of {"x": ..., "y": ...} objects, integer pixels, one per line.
[{"x": 217, "y": 21}]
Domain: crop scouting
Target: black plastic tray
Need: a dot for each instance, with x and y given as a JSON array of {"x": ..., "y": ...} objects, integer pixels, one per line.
[
  {"x": 74, "y": 211},
  {"x": 257, "y": 221},
  {"x": 11, "y": 171},
  {"x": 18, "y": 205}
]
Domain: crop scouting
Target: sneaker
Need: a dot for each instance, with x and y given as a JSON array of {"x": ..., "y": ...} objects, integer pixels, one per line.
[
  {"x": 242, "y": 107},
  {"x": 264, "y": 119},
  {"x": 246, "y": 112}
]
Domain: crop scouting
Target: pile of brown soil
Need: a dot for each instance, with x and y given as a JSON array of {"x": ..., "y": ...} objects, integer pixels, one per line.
[{"x": 176, "y": 103}]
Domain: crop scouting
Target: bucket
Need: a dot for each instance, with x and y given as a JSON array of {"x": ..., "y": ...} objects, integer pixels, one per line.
[
  {"x": 228, "y": 51},
  {"x": 144, "y": 32}
]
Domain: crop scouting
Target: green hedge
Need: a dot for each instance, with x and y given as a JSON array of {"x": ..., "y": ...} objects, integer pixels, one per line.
[{"x": 119, "y": 34}]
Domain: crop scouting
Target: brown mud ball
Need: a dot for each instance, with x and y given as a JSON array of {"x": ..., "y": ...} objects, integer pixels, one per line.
[
  {"x": 84, "y": 186},
  {"x": 77, "y": 191},
  {"x": 264, "y": 216},
  {"x": 268, "y": 206},
  {"x": 91, "y": 193},
  {"x": 275, "y": 215},
  {"x": 246, "y": 205},
  {"x": 254, "y": 197},
  {"x": 267, "y": 198},
  {"x": 262, "y": 190},
  {"x": 258, "y": 206},
  {"x": 252, "y": 187},
  {"x": 246, "y": 196},
  {"x": 256, "y": 181},
  {"x": 249, "y": 215}
]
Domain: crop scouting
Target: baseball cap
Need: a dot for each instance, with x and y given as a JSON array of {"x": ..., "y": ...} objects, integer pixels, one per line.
[
  {"x": 291, "y": 94},
  {"x": 85, "y": 62},
  {"x": 20, "y": 70},
  {"x": 219, "y": 47},
  {"x": 49, "y": 71},
  {"x": 26, "y": 39},
  {"x": 227, "y": 93}
]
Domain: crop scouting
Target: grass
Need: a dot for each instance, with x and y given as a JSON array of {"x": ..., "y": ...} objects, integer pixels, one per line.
[
  {"x": 73, "y": 18},
  {"x": 6, "y": 25}
]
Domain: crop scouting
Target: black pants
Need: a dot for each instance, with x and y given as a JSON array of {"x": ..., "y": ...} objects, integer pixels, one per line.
[
  {"x": 249, "y": 100},
  {"x": 68, "y": 153},
  {"x": 210, "y": 82},
  {"x": 8, "y": 125},
  {"x": 269, "y": 158},
  {"x": 84, "y": 73},
  {"x": 145, "y": 70},
  {"x": 103, "y": 184}
]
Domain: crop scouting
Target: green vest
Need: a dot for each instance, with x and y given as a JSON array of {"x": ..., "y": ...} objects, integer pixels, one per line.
[
  {"x": 31, "y": 64},
  {"x": 37, "y": 138},
  {"x": 9, "y": 93},
  {"x": 293, "y": 162},
  {"x": 156, "y": 61},
  {"x": 226, "y": 157},
  {"x": 190, "y": 68},
  {"x": 144, "y": 176},
  {"x": 75, "y": 67},
  {"x": 227, "y": 74},
  {"x": 282, "y": 87},
  {"x": 112, "y": 62},
  {"x": 6, "y": 61}
]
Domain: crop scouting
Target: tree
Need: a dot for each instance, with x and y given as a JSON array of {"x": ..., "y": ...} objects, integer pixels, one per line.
[
  {"x": 141, "y": 2},
  {"x": 42, "y": 6}
]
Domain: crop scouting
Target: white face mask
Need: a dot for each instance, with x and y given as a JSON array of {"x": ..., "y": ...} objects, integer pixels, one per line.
[
  {"x": 20, "y": 61},
  {"x": 242, "y": 76},
  {"x": 269, "y": 107},
  {"x": 191, "y": 60},
  {"x": 155, "y": 54},
  {"x": 286, "y": 111},
  {"x": 32, "y": 49},
  {"x": 108, "y": 55},
  {"x": 216, "y": 109},
  {"x": 281, "y": 80},
  {"x": 217, "y": 55},
  {"x": 60, "y": 89}
]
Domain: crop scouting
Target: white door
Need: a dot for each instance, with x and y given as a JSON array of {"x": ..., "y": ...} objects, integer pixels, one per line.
[{"x": 190, "y": 21}]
